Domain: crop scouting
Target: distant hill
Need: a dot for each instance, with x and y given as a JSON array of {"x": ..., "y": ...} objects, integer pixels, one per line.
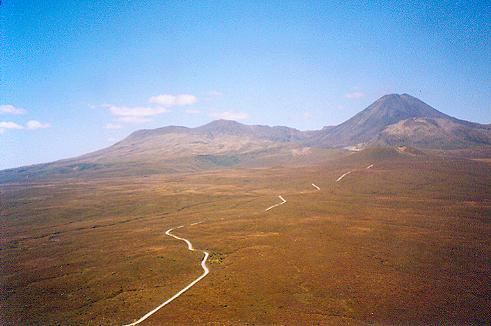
[
  {"x": 174, "y": 149},
  {"x": 394, "y": 120},
  {"x": 220, "y": 137},
  {"x": 403, "y": 120}
]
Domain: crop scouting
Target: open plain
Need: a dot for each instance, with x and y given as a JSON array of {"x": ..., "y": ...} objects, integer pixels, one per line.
[{"x": 406, "y": 241}]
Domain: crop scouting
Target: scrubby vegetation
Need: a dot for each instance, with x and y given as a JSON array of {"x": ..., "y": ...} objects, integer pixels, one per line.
[{"x": 407, "y": 241}]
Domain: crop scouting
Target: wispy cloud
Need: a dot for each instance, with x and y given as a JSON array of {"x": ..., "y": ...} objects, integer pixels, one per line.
[
  {"x": 141, "y": 114},
  {"x": 11, "y": 109},
  {"x": 307, "y": 115},
  {"x": 159, "y": 104},
  {"x": 133, "y": 113},
  {"x": 30, "y": 125},
  {"x": 354, "y": 95},
  {"x": 9, "y": 125},
  {"x": 168, "y": 100},
  {"x": 34, "y": 124},
  {"x": 230, "y": 115}
]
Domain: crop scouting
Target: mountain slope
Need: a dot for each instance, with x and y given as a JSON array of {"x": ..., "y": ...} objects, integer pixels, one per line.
[
  {"x": 441, "y": 133},
  {"x": 394, "y": 119},
  {"x": 221, "y": 137},
  {"x": 173, "y": 149},
  {"x": 403, "y": 120}
]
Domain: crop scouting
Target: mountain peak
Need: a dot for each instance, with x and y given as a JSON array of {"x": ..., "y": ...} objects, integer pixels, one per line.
[
  {"x": 392, "y": 95},
  {"x": 389, "y": 109},
  {"x": 223, "y": 126},
  {"x": 394, "y": 107},
  {"x": 222, "y": 123},
  {"x": 397, "y": 97}
]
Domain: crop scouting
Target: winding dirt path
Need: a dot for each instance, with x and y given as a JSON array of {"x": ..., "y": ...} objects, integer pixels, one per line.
[
  {"x": 276, "y": 205},
  {"x": 341, "y": 177},
  {"x": 203, "y": 265},
  {"x": 206, "y": 255}
]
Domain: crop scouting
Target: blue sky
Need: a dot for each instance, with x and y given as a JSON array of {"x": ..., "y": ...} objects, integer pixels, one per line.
[{"x": 77, "y": 76}]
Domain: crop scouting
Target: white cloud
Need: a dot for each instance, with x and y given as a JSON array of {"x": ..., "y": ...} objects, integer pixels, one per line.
[
  {"x": 230, "y": 115},
  {"x": 169, "y": 100},
  {"x": 192, "y": 111},
  {"x": 135, "y": 113},
  {"x": 113, "y": 126},
  {"x": 10, "y": 109},
  {"x": 354, "y": 95},
  {"x": 307, "y": 115},
  {"x": 140, "y": 114},
  {"x": 9, "y": 125},
  {"x": 30, "y": 125},
  {"x": 34, "y": 124}
]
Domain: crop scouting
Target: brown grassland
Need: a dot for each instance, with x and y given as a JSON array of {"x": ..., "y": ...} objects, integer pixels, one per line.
[{"x": 407, "y": 241}]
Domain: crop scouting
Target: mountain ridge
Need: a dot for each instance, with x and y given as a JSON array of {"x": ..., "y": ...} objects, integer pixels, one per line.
[
  {"x": 366, "y": 127},
  {"x": 393, "y": 119}
]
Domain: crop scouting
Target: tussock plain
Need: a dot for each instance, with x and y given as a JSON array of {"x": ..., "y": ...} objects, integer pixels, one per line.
[{"x": 406, "y": 241}]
